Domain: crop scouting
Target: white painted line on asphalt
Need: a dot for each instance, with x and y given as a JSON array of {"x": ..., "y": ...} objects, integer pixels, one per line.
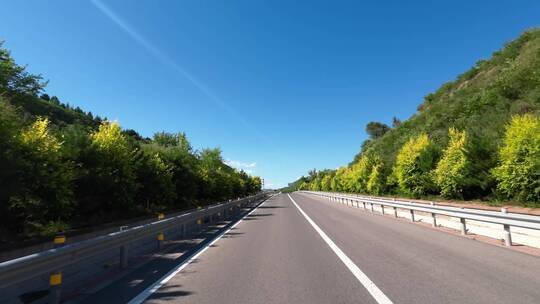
[
  {"x": 375, "y": 292},
  {"x": 164, "y": 279}
]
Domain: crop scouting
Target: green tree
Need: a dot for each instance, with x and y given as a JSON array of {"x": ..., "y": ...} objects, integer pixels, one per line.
[
  {"x": 518, "y": 172},
  {"x": 357, "y": 176},
  {"x": 44, "y": 198},
  {"x": 214, "y": 173},
  {"x": 176, "y": 151},
  {"x": 156, "y": 188},
  {"x": 326, "y": 182},
  {"x": 338, "y": 180},
  {"x": 453, "y": 170},
  {"x": 376, "y": 182},
  {"x": 107, "y": 185},
  {"x": 413, "y": 165},
  {"x": 376, "y": 129},
  {"x": 14, "y": 79}
]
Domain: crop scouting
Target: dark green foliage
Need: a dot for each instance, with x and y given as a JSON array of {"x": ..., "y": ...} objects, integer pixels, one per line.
[
  {"x": 61, "y": 167},
  {"x": 376, "y": 129}
]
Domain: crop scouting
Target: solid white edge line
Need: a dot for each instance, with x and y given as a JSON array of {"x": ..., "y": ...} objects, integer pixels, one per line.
[
  {"x": 375, "y": 292},
  {"x": 169, "y": 275}
]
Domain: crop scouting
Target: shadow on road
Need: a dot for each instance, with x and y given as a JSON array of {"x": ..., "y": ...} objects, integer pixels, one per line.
[
  {"x": 154, "y": 266},
  {"x": 170, "y": 292}
]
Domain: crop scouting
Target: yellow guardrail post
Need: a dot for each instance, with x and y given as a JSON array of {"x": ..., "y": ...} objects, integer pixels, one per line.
[
  {"x": 160, "y": 235},
  {"x": 199, "y": 225},
  {"x": 55, "y": 278},
  {"x": 160, "y": 239}
]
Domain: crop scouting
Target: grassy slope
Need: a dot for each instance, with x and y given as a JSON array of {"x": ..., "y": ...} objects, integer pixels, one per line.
[{"x": 481, "y": 101}]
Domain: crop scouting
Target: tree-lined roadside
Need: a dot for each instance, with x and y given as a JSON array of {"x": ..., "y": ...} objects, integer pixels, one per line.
[
  {"x": 476, "y": 138},
  {"x": 62, "y": 168}
]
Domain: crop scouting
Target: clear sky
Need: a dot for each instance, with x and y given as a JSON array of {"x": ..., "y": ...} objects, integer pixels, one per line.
[{"x": 280, "y": 86}]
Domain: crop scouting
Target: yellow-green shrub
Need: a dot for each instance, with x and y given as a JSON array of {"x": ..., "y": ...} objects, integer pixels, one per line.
[
  {"x": 453, "y": 169},
  {"x": 518, "y": 172},
  {"x": 357, "y": 176},
  {"x": 376, "y": 182},
  {"x": 414, "y": 163}
]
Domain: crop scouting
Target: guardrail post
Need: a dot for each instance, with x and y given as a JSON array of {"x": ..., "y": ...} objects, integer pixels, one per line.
[
  {"x": 124, "y": 252},
  {"x": 395, "y": 212},
  {"x": 507, "y": 236},
  {"x": 372, "y": 210},
  {"x": 160, "y": 239},
  {"x": 412, "y": 215},
  {"x": 199, "y": 225},
  {"x": 382, "y": 209},
  {"x": 55, "y": 278},
  {"x": 160, "y": 236},
  {"x": 364, "y": 204},
  {"x": 463, "y": 226},
  {"x": 433, "y": 216}
]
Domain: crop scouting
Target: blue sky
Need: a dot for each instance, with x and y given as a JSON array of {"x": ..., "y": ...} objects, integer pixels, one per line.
[{"x": 280, "y": 86}]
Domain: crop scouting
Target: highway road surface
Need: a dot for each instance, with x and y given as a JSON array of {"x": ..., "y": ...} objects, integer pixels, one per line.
[{"x": 304, "y": 249}]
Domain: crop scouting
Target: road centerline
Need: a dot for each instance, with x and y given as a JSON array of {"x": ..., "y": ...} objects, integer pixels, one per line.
[{"x": 375, "y": 292}]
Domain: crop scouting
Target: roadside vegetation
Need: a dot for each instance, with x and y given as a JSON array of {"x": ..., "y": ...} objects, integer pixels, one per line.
[
  {"x": 475, "y": 138},
  {"x": 62, "y": 168}
]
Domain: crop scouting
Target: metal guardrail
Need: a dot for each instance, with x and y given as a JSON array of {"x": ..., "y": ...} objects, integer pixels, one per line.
[
  {"x": 503, "y": 218},
  {"x": 54, "y": 260}
]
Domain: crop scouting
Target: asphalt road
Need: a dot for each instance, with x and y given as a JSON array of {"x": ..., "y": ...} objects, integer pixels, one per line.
[{"x": 275, "y": 255}]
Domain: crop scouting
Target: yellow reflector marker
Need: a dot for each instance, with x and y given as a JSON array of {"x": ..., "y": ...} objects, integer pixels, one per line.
[
  {"x": 55, "y": 279},
  {"x": 161, "y": 216},
  {"x": 59, "y": 239},
  {"x": 199, "y": 221},
  {"x": 160, "y": 236}
]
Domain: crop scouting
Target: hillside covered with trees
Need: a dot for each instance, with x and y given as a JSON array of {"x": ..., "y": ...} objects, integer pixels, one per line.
[
  {"x": 477, "y": 137},
  {"x": 61, "y": 167}
]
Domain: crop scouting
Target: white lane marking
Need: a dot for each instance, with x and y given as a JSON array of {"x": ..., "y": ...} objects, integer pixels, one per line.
[
  {"x": 169, "y": 275},
  {"x": 375, "y": 292}
]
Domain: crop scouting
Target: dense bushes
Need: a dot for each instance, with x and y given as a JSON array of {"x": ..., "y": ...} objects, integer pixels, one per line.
[
  {"x": 453, "y": 170},
  {"x": 414, "y": 163},
  {"x": 376, "y": 183},
  {"x": 44, "y": 193},
  {"x": 518, "y": 172},
  {"x": 61, "y": 167},
  {"x": 458, "y": 144}
]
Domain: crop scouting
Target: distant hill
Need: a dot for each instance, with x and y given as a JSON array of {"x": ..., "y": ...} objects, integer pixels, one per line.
[{"x": 480, "y": 102}]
